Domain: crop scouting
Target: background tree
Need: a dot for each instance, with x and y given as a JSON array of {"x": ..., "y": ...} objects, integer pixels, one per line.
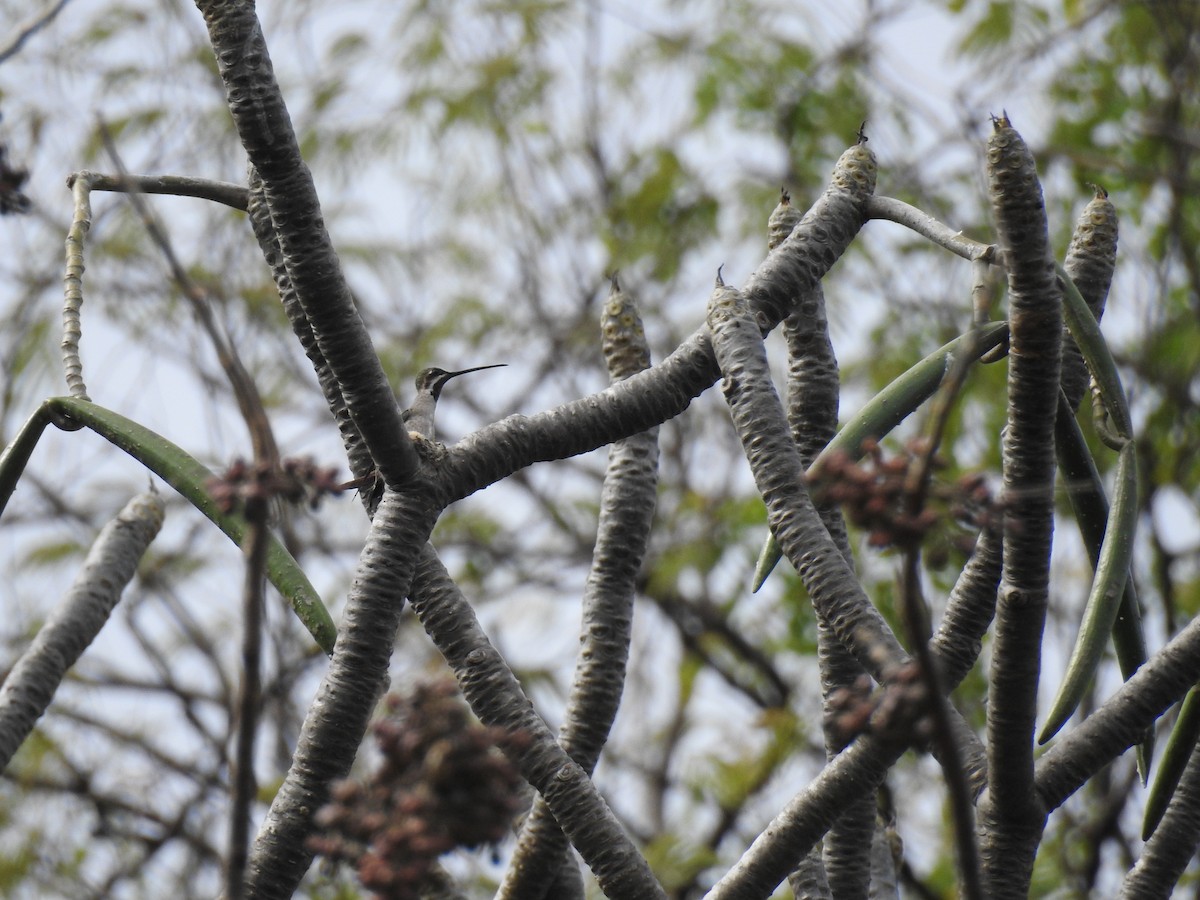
[{"x": 483, "y": 170}]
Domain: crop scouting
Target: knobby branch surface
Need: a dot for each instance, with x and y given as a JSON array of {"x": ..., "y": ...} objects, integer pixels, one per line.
[
  {"x": 778, "y": 472},
  {"x": 357, "y": 453},
  {"x": 357, "y": 673},
  {"x": 813, "y": 390},
  {"x": 266, "y": 133},
  {"x": 497, "y": 698},
  {"x": 81, "y": 223},
  {"x": 777, "y": 851},
  {"x": 1167, "y": 854},
  {"x": 1090, "y": 262},
  {"x": 110, "y": 565},
  {"x": 626, "y": 512},
  {"x": 666, "y": 389},
  {"x": 1121, "y": 721},
  {"x": 1010, "y": 818}
]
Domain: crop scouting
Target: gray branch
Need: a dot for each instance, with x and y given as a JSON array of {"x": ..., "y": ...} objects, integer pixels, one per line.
[
  {"x": 265, "y": 129},
  {"x": 338, "y": 716},
  {"x": 109, "y": 567},
  {"x": 626, "y": 511},
  {"x": 496, "y": 697}
]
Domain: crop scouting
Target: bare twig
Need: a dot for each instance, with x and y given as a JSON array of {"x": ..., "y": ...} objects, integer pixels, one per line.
[
  {"x": 29, "y": 28},
  {"x": 249, "y": 701},
  {"x": 81, "y": 222},
  {"x": 235, "y": 196},
  {"x": 924, "y": 224},
  {"x": 244, "y": 390}
]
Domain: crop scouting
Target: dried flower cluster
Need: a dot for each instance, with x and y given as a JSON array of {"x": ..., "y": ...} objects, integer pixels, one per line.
[
  {"x": 876, "y": 495},
  {"x": 442, "y": 784},
  {"x": 897, "y": 711},
  {"x": 12, "y": 179},
  {"x": 295, "y": 480}
]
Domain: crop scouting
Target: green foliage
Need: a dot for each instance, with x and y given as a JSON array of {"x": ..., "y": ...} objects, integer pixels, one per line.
[{"x": 659, "y": 215}]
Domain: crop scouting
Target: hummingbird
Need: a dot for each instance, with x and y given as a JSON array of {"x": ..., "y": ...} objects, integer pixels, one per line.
[{"x": 419, "y": 417}]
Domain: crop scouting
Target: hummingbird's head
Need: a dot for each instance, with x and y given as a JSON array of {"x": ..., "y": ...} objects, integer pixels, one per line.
[{"x": 434, "y": 379}]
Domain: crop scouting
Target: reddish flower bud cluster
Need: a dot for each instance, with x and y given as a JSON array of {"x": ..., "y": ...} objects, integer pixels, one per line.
[
  {"x": 295, "y": 480},
  {"x": 442, "y": 784},
  {"x": 897, "y": 711},
  {"x": 876, "y": 496}
]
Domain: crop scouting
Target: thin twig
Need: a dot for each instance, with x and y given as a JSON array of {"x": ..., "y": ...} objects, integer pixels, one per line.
[
  {"x": 29, "y": 29},
  {"x": 244, "y": 390},
  {"x": 235, "y": 196},
  {"x": 916, "y": 613},
  {"x": 81, "y": 223},
  {"x": 893, "y": 210},
  {"x": 266, "y": 455},
  {"x": 245, "y": 786}
]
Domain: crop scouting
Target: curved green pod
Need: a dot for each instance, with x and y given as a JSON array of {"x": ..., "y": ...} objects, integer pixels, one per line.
[
  {"x": 1082, "y": 483},
  {"x": 1108, "y": 586},
  {"x": 1175, "y": 757},
  {"x": 1086, "y": 331},
  {"x": 16, "y": 455},
  {"x": 184, "y": 473}
]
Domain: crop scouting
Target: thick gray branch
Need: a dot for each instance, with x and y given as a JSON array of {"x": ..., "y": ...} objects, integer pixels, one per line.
[
  {"x": 1123, "y": 719},
  {"x": 110, "y": 565},
  {"x": 626, "y": 510},
  {"x": 779, "y": 474},
  {"x": 1010, "y": 819},
  {"x": 652, "y": 397},
  {"x": 1173, "y": 843},
  {"x": 359, "y": 456},
  {"x": 265, "y": 128},
  {"x": 338, "y": 716},
  {"x": 497, "y": 698}
]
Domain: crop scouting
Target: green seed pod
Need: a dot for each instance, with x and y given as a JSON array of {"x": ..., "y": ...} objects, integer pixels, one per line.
[
  {"x": 624, "y": 339},
  {"x": 783, "y": 219}
]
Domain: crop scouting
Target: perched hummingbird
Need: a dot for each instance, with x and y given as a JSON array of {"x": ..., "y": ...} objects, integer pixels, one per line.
[{"x": 419, "y": 416}]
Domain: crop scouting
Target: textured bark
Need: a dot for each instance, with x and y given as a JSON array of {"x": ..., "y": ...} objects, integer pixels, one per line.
[
  {"x": 338, "y": 716},
  {"x": 1173, "y": 843},
  {"x": 778, "y": 472},
  {"x": 813, "y": 391},
  {"x": 1010, "y": 817},
  {"x": 969, "y": 611},
  {"x": 1090, "y": 261},
  {"x": 307, "y": 254},
  {"x": 357, "y": 453},
  {"x": 626, "y": 510},
  {"x": 664, "y": 391},
  {"x": 808, "y": 882},
  {"x": 860, "y": 768},
  {"x": 497, "y": 699},
  {"x": 110, "y": 565},
  {"x": 1121, "y": 722}
]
